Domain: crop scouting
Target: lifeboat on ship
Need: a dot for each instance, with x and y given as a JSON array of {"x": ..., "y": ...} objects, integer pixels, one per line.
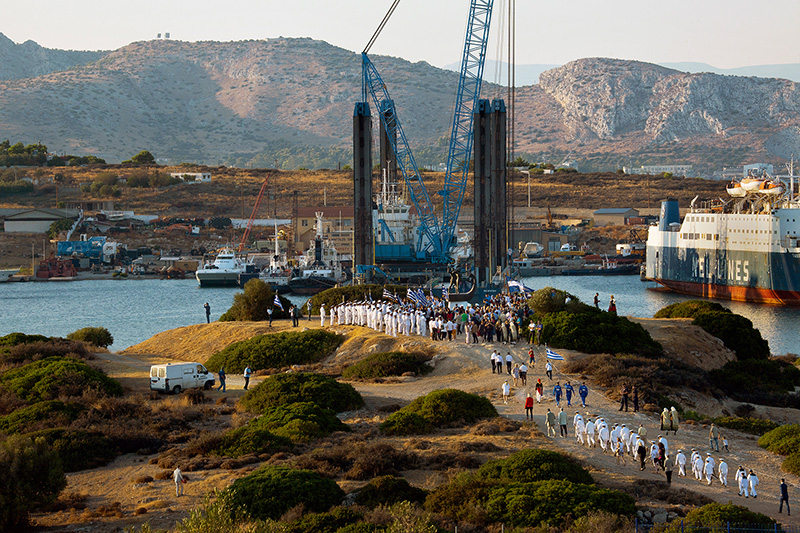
[
  {"x": 735, "y": 189},
  {"x": 752, "y": 184},
  {"x": 772, "y": 187}
]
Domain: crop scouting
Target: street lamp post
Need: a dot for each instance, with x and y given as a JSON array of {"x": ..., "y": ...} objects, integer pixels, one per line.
[{"x": 527, "y": 173}]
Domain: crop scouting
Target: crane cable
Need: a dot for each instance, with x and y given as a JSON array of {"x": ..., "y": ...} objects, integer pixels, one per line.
[{"x": 380, "y": 27}]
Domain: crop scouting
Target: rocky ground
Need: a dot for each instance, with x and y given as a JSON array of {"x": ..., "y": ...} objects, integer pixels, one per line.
[{"x": 457, "y": 365}]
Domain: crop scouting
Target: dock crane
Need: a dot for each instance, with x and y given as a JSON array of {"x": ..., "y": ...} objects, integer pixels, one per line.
[
  {"x": 440, "y": 235},
  {"x": 253, "y": 214}
]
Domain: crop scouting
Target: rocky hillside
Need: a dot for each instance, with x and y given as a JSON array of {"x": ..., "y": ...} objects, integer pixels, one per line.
[{"x": 251, "y": 102}]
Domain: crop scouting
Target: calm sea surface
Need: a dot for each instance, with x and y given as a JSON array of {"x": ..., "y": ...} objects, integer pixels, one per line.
[{"x": 134, "y": 310}]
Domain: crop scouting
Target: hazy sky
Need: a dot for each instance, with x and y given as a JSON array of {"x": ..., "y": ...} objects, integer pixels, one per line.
[{"x": 725, "y": 34}]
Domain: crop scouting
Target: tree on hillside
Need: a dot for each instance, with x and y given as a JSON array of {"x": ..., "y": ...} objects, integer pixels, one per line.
[{"x": 143, "y": 158}]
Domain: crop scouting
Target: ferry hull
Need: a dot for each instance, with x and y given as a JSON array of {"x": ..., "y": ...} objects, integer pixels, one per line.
[{"x": 727, "y": 292}]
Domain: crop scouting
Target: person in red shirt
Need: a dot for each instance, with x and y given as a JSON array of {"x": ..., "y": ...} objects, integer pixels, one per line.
[{"x": 529, "y": 407}]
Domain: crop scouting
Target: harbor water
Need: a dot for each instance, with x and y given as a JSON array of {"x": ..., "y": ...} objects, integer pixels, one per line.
[{"x": 135, "y": 310}]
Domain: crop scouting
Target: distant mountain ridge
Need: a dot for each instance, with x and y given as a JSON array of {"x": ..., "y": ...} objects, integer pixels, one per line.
[{"x": 252, "y": 102}]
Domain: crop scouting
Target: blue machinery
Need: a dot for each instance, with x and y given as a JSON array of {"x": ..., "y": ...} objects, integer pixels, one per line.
[{"x": 440, "y": 236}]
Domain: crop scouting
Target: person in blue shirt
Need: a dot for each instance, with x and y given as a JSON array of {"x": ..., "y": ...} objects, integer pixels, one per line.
[
  {"x": 569, "y": 390},
  {"x": 583, "y": 392},
  {"x": 557, "y": 393},
  {"x": 247, "y": 373}
]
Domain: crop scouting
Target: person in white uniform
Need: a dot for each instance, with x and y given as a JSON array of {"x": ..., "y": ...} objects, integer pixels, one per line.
[
  {"x": 680, "y": 460},
  {"x": 710, "y": 464},
  {"x": 723, "y": 472},
  {"x": 752, "y": 479},
  {"x": 322, "y": 316},
  {"x": 741, "y": 479}
]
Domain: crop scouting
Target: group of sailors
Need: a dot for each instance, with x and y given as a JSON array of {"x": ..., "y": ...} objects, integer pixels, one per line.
[
  {"x": 622, "y": 441},
  {"x": 500, "y": 317}
]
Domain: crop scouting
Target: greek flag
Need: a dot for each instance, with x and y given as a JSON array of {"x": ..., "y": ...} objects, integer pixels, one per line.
[
  {"x": 277, "y": 302},
  {"x": 414, "y": 297},
  {"x": 553, "y": 355},
  {"x": 386, "y": 294},
  {"x": 422, "y": 298},
  {"x": 445, "y": 293},
  {"x": 517, "y": 286}
]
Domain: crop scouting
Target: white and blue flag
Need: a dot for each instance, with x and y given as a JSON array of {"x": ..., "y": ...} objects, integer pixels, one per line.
[
  {"x": 553, "y": 355},
  {"x": 277, "y": 302}
]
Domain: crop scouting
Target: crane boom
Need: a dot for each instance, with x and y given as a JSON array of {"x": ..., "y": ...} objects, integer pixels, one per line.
[
  {"x": 374, "y": 86},
  {"x": 469, "y": 88},
  {"x": 253, "y": 214}
]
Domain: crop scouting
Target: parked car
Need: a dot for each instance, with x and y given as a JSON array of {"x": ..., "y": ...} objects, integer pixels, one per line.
[{"x": 176, "y": 377}]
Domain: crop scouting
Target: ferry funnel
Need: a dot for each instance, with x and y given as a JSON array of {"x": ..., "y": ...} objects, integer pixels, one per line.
[{"x": 669, "y": 214}]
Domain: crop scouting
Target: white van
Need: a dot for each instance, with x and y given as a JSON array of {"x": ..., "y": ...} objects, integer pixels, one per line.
[{"x": 176, "y": 377}]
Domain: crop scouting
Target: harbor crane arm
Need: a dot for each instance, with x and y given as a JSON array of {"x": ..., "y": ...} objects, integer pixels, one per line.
[
  {"x": 469, "y": 89},
  {"x": 253, "y": 214}
]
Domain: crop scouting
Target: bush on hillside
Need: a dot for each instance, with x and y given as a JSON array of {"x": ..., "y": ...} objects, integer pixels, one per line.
[
  {"x": 719, "y": 515},
  {"x": 359, "y": 461},
  {"x": 251, "y": 438},
  {"x": 689, "y": 309},
  {"x": 535, "y": 465},
  {"x": 254, "y": 302},
  {"x": 782, "y": 440},
  {"x": 767, "y": 382},
  {"x": 54, "y": 377},
  {"x": 384, "y": 364},
  {"x": 440, "y": 408},
  {"x": 754, "y": 426},
  {"x": 595, "y": 331},
  {"x": 300, "y": 422},
  {"x": 95, "y": 336},
  {"x": 78, "y": 450},
  {"x": 330, "y": 522},
  {"x": 270, "y": 491},
  {"x": 283, "y": 389},
  {"x": 353, "y": 293},
  {"x": 276, "y": 350},
  {"x": 549, "y": 300},
  {"x": 33, "y": 351},
  {"x": 13, "y": 339},
  {"x": 735, "y": 331},
  {"x": 388, "y": 490},
  {"x": 51, "y": 413},
  {"x": 32, "y": 479}
]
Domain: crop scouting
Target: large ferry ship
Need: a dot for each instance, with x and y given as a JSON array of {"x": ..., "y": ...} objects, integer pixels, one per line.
[{"x": 744, "y": 248}]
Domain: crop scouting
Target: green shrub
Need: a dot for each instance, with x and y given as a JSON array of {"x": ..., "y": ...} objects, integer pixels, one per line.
[
  {"x": 48, "y": 413},
  {"x": 595, "y": 331},
  {"x": 282, "y": 389},
  {"x": 440, "y": 408},
  {"x": 383, "y": 364},
  {"x": 549, "y": 300},
  {"x": 782, "y": 440},
  {"x": 736, "y": 332},
  {"x": 768, "y": 382},
  {"x": 535, "y": 465},
  {"x": 253, "y": 303},
  {"x": 792, "y": 463},
  {"x": 388, "y": 490},
  {"x": 56, "y": 376},
  {"x": 353, "y": 293},
  {"x": 552, "y": 501},
  {"x": 329, "y": 522},
  {"x": 404, "y": 423},
  {"x": 754, "y": 426},
  {"x": 32, "y": 479},
  {"x": 270, "y": 491},
  {"x": 33, "y": 351},
  {"x": 719, "y": 515},
  {"x": 13, "y": 339},
  {"x": 251, "y": 438},
  {"x": 96, "y": 336},
  {"x": 361, "y": 527},
  {"x": 689, "y": 309},
  {"x": 78, "y": 450},
  {"x": 276, "y": 350},
  {"x": 300, "y": 422}
]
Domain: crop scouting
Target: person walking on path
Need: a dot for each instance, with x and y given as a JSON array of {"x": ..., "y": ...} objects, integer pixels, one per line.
[
  {"x": 612, "y": 305},
  {"x": 539, "y": 390},
  {"x": 557, "y": 393},
  {"x": 641, "y": 453},
  {"x": 562, "y": 422},
  {"x": 673, "y": 420},
  {"x": 669, "y": 464},
  {"x": 741, "y": 478},
  {"x": 177, "y": 476},
  {"x": 784, "y": 497},
  {"x": 665, "y": 419},
  {"x": 752, "y": 479},
  {"x": 551, "y": 423},
  {"x": 207, "y": 307},
  {"x": 531, "y": 357},
  {"x": 723, "y": 472},
  {"x": 623, "y": 401},
  {"x": 506, "y": 391},
  {"x": 549, "y": 370},
  {"x": 713, "y": 436},
  {"x": 515, "y": 374},
  {"x": 494, "y": 361},
  {"x": 583, "y": 392},
  {"x": 569, "y": 391},
  {"x": 529, "y": 407},
  {"x": 523, "y": 374},
  {"x": 321, "y": 315},
  {"x": 221, "y": 379},
  {"x": 597, "y": 300},
  {"x": 247, "y": 373},
  {"x": 680, "y": 460},
  {"x": 642, "y": 432},
  {"x": 509, "y": 360}
]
